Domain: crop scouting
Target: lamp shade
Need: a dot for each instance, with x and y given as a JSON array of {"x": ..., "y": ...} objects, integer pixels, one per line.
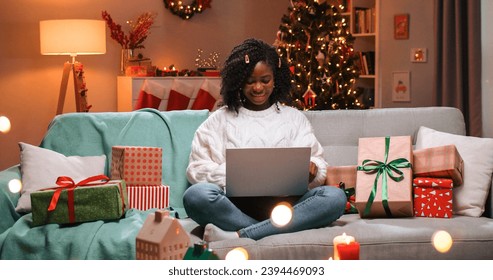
[{"x": 72, "y": 37}]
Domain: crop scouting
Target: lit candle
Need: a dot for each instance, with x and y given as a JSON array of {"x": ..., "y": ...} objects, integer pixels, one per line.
[
  {"x": 348, "y": 251},
  {"x": 341, "y": 239}
]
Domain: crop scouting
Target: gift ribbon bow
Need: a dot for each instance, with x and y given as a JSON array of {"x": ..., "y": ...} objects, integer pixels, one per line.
[
  {"x": 385, "y": 170},
  {"x": 67, "y": 183}
]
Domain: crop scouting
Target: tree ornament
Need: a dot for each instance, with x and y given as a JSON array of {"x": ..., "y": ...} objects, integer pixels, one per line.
[
  {"x": 320, "y": 58},
  {"x": 310, "y": 98}
]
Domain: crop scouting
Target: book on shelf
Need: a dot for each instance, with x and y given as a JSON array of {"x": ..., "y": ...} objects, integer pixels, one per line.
[
  {"x": 366, "y": 62},
  {"x": 364, "y": 20}
]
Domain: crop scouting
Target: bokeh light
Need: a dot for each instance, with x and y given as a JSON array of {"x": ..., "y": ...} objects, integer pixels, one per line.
[
  {"x": 15, "y": 185},
  {"x": 237, "y": 254},
  {"x": 282, "y": 214},
  {"x": 4, "y": 124},
  {"x": 442, "y": 241}
]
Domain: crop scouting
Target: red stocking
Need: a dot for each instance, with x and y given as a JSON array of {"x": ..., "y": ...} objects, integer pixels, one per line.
[
  {"x": 207, "y": 96},
  {"x": 179, "y": 96},
  {"x": 150, "y": 95}
]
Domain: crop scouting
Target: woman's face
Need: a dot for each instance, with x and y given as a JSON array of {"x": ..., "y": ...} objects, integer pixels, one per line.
[{"x": 259, "y": 87}]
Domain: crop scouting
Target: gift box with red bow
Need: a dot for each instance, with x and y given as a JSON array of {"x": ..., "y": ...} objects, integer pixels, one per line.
[{"x": 96, "y": 198}]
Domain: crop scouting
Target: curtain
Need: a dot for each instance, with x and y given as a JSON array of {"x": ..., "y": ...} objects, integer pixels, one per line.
[{"x": 458, "y": 59}]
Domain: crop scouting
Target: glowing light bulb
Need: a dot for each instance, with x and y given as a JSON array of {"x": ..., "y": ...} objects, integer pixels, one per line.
[
  {"x": 282, "y": 214},
  {"x": 237, "y": 254},
  {"x": 15, "y": 185},
  {"x": 442, "y": 241},
  {"x": 4, "y": 124}
]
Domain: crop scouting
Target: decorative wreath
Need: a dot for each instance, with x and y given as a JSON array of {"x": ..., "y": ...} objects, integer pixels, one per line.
[{"x": 187, "y": 11}]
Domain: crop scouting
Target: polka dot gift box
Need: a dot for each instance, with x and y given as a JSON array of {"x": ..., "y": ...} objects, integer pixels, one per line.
[{"x": 137, "y": 165}]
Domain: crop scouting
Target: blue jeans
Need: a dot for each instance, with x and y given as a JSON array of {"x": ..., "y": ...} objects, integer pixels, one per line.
[{"x": 207, "y": 203}]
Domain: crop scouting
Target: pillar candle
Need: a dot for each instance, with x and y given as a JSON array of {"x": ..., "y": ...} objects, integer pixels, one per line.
[
  {"x": 348, "y": 251},
  {"x": 341, "y": 239}
]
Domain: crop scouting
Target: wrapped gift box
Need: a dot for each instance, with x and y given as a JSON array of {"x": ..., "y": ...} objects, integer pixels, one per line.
[
  {"x": 377, "y": 193},
  {"x": 433, "y": 197},
  {"x": 147, "y": 197},
  {"x": 344, "y": 177},
  {"x": 345, "y": 174},
  {"x": 101, "y": 201},
  {"x": 137, "y": 165},
  {"x": 439, "y": 162}
]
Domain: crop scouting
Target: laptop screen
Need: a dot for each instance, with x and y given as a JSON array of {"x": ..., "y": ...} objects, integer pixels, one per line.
[{"x": 267, "y": 171}]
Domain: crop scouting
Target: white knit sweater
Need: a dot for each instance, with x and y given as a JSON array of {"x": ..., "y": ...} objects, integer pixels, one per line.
[{"x": 283, "y": 127}]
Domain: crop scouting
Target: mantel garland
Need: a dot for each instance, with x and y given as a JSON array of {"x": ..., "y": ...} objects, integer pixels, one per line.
[{"x": 185, "y": 11}]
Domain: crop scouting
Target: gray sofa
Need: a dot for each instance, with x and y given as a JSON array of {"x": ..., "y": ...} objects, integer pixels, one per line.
[
  {"x": 386, "y": 238},
  {"x": 88, "y": 134}
]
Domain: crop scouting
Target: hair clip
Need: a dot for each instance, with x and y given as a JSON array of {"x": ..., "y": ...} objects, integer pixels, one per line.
[
  {"x": 279, "y": 66},
  {"x": 247, "y": 59}
]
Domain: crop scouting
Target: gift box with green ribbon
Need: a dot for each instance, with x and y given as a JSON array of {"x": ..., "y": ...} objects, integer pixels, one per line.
[
  {"x": 95, "y": 198},
  {"x": 384, "y": 177}
]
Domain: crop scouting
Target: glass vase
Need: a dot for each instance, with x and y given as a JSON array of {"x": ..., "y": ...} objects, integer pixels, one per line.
[{"x": 126, "y": 55}]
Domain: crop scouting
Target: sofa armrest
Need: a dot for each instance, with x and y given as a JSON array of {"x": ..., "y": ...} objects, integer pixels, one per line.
[{"x": 8, "y": 200}]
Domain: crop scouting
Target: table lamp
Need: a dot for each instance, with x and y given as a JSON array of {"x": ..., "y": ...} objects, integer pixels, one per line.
[{"x": 73, "y": 37}]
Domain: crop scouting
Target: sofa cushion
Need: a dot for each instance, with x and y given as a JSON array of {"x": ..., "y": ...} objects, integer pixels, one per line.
[
  {"x": 41, "y": 167},
  {"x": 469, "y": 198}
]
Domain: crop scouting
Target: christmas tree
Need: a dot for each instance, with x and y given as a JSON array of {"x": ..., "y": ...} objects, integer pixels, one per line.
[{"x": 315, "y": 38}]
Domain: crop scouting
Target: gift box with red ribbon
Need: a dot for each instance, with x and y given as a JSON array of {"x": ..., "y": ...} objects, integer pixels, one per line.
[
  {"x": 137, "y": 165},
  {"x": 147, "y": 197},
  {"x": 95, "y": 198},
  {"x": 433, "y": 197},
  {"x": 384, "y": 177}
]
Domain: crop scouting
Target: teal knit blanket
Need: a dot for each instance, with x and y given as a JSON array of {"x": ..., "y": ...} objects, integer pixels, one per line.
[{"x": 88, "y": 134}]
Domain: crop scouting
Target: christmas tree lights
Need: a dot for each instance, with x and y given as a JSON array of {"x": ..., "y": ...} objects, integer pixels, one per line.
[{"x": 315, "y": 38}]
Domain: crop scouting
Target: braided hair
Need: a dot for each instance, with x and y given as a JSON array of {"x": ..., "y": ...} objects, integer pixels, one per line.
[{"x": 239, "y": 66}]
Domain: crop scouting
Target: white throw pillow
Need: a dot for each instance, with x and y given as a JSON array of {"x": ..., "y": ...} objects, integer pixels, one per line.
[
  {"x": 468, "y": 199},
  {"x": 41, "y": 167}
]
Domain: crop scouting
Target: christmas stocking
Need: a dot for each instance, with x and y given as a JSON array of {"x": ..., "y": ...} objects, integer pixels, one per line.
[
  {"x": 150, "y": 95},
  {"x": 179, "y": 96},
  {"x": 207, "y": 96}
]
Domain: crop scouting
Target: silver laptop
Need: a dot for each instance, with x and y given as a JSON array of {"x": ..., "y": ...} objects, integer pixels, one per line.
[{"x": 267, "y": 171}]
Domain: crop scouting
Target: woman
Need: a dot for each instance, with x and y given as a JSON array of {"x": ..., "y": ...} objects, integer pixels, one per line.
[{"x": 255, "y": 82}]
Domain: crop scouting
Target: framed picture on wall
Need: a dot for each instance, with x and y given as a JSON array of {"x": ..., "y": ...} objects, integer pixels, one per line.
[
  {"x": 401, "y": 26},
  {"x": 401, "y": 86}
]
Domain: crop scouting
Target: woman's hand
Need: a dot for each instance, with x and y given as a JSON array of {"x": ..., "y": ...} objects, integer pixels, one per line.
[{"x": 313, "y": 171}]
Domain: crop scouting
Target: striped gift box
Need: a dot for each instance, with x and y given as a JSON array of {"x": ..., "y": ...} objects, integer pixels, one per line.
[{"x": 147, "y": 197}]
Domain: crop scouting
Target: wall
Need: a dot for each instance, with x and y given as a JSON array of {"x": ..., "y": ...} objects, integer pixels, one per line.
[
  {"x": 29, "y": 81},
  {"x": 395, "y": 54}
]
